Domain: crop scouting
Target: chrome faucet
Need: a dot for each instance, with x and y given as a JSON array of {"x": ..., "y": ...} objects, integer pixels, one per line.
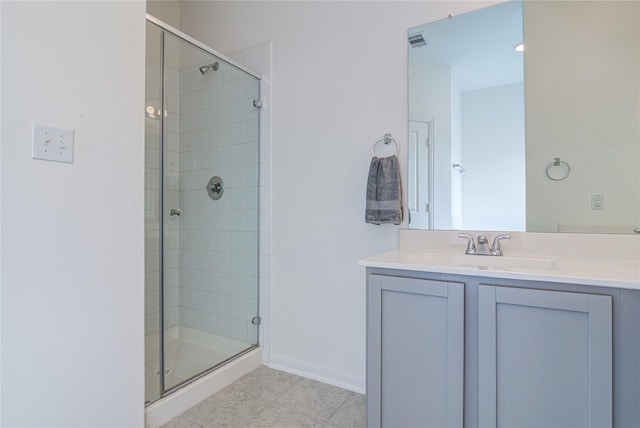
[
  {"x": 471, "y": 245},
  {"x": 482, "y": 248},
  {"x": 495, "y": 247}
]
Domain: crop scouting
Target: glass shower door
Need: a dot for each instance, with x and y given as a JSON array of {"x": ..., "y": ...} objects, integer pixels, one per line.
[
  {"x": 152, "y": 191},
  {"x": 209, "y": 212}
]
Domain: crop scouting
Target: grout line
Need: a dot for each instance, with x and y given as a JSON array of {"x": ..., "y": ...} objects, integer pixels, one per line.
[
  {"x": 287, "y": 390},
  {"x": 340, "y": 406}
]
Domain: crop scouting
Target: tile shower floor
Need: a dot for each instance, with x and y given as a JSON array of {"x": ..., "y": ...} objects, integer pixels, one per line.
[{"x": 271, "y": 398}]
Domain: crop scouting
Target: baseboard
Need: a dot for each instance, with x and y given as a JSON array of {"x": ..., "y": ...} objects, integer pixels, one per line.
[{"x": 316, "y": 372}]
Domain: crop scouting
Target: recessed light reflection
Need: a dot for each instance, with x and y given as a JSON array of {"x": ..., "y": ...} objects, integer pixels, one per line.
[{"x": 154, "y": 113}]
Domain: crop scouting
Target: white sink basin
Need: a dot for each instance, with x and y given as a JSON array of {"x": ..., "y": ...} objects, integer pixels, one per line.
[{"x": 500, "y": 263}]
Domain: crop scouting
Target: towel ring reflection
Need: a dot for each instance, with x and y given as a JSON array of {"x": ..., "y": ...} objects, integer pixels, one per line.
[
  {"x": 558, "y": 163},
  {"x": 387, "y": 140}
]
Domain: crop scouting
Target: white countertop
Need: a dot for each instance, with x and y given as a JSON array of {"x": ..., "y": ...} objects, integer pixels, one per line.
[{"x": 586, "y": 271}]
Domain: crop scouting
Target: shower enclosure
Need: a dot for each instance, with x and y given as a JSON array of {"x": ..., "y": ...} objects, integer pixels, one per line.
[{"x": 201, "y": 210}]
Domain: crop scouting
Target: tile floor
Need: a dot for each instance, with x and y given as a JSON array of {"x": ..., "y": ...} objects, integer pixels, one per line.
[{"x": 275, "y": 399}]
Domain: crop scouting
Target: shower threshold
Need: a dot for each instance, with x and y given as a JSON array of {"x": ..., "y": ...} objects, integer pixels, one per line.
[
  {"x": 189, "y": 355},
  {"x": 198, "y": 389}
]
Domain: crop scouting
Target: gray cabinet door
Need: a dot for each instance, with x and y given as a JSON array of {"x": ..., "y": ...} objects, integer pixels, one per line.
[
  {"x": 415, "y": 347},
  {"x": 545, "y": 358}
]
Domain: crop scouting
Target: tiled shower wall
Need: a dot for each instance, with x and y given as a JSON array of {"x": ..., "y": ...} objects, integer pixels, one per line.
[{"x": 218, "y": 268}]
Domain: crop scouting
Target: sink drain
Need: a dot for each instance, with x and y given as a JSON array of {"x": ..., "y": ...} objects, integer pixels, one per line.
[{"x": 166, "y": 372}]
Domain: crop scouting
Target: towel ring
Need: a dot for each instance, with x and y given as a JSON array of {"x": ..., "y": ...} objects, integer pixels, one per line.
[
  {"x": 558, "y": 163},
  {"x": 387, "y": 140}
]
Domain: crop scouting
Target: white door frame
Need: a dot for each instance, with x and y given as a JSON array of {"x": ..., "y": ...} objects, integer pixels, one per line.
[{"x": 421, "y": 203}]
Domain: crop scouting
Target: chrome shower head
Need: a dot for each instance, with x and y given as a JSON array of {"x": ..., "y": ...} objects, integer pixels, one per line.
[{"x": 205, "y": 68}]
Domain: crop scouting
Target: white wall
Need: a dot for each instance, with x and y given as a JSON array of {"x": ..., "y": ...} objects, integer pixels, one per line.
[
  {"x": 588, "y": 56},
  {"x": 72, "y": 234},
  {"x": 165, "y": 10},
  {"x": 339, "y": 83}
]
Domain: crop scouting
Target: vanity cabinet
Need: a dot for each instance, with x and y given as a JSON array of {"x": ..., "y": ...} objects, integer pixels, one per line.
[
  {"x": 415, "y": 352},
  {"x": 445, "y": 350},
  {"x": 545, "y": 358}
]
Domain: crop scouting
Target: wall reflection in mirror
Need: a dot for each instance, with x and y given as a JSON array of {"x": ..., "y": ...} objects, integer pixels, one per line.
[{"x": 487, "y": 121}]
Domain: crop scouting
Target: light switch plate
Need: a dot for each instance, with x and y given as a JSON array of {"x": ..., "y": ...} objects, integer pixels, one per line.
[
  {"x": 597, "y": 202},
  {"x": 52, "y": 144}
]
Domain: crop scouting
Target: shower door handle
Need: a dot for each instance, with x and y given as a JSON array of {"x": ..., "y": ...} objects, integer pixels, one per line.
[{"x": 175, "y": 211}]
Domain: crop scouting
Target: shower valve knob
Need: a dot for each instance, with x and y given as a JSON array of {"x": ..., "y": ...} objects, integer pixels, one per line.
[
  {"x": 175, "y": 211},
  {"x": 215, "y": 188}
]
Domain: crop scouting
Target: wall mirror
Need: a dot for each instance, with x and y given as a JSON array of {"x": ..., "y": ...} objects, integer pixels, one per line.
[{"x": 541, "y": 140}]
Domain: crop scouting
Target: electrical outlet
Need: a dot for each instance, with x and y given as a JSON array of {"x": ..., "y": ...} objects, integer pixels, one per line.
[
  {"x": 597, "y": 202},
  {"x": 52, "y": 144}
]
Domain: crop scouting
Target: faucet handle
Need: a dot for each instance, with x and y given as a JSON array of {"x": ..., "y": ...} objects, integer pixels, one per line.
[
  {"x": 471, "y": 245},
  {"x": 495, "y": 248}
]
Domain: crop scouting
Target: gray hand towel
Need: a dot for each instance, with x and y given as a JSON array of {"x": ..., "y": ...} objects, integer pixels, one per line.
[{"x": 384, "y": 193}]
